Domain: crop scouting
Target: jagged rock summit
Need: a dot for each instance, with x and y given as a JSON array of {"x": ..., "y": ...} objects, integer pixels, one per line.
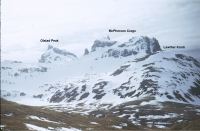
[
  {"x": 86, "y": 52},
  {"x": 136, "y": 46},
  {"x": 105, "y": 42},
  {"x": 53, "y": 54},
  {"x": 122, "y": 79}
]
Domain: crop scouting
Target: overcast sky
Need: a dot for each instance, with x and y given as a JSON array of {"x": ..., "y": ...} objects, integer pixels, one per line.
[{"x": 77, "y": 23}]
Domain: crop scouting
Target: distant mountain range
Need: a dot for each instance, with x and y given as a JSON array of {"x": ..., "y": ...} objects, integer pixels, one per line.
[{"x": 108, "y": 75}]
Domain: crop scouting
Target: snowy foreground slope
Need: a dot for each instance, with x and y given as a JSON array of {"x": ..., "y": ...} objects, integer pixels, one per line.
[{"x": 110, "y": 75}]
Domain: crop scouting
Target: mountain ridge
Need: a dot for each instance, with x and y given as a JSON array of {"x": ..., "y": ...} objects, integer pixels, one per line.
[
  {"x": 125, "y": 85},
  {"x": 54, "y": 54}
]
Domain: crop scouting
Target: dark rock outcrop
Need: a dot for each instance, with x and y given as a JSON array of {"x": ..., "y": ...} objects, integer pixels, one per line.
[
  {"x": 102, "y": 43},
  {"x": 86, "y": 52}
]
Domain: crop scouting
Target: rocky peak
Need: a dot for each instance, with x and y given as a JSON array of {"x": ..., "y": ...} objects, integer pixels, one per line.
[
  {"x": 86, "y": 52},
  {"x": 105, "y": 42},
  {"x": 53, "y": 54},
  {"x": 136, "y": 45},
  {"x": 144, "y": 44},
  {"x": 50, "y": 47}
]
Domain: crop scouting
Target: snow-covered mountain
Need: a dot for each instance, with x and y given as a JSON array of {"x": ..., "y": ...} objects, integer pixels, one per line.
[
  {"x": 128, "y": 80},
  {"x": 110, "y": 73},
  {"x": 54, "y": 54},
  {"x": 135, "y": 46}
]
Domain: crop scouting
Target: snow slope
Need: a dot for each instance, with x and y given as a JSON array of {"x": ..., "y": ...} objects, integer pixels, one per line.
[{"x": 111, "y": 73}]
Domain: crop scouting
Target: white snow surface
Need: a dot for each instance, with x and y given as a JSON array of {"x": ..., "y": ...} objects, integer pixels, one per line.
[
  {"x": 149, "y": 117},
  {"x": 38, "y": 82},
  {"x": 34, "y": 127},
  {"x": 41, "y": 119},
  {"x": 37, "y": 128}
]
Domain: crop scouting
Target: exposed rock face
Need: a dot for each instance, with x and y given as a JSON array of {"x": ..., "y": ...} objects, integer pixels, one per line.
[
  {"x": 120, "y": 70},
  {"x": 86, "y": 52},
  {"x": 143, "y": 71},
  {"x": 141, "y": 78},
  {"x": 106, "y": 42},
  {"x": 144, "y": 44},
  {"x": 136, "y": 45},
  {"x": 138, "y": 83},
  {"x": 54, "y": 54}
]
